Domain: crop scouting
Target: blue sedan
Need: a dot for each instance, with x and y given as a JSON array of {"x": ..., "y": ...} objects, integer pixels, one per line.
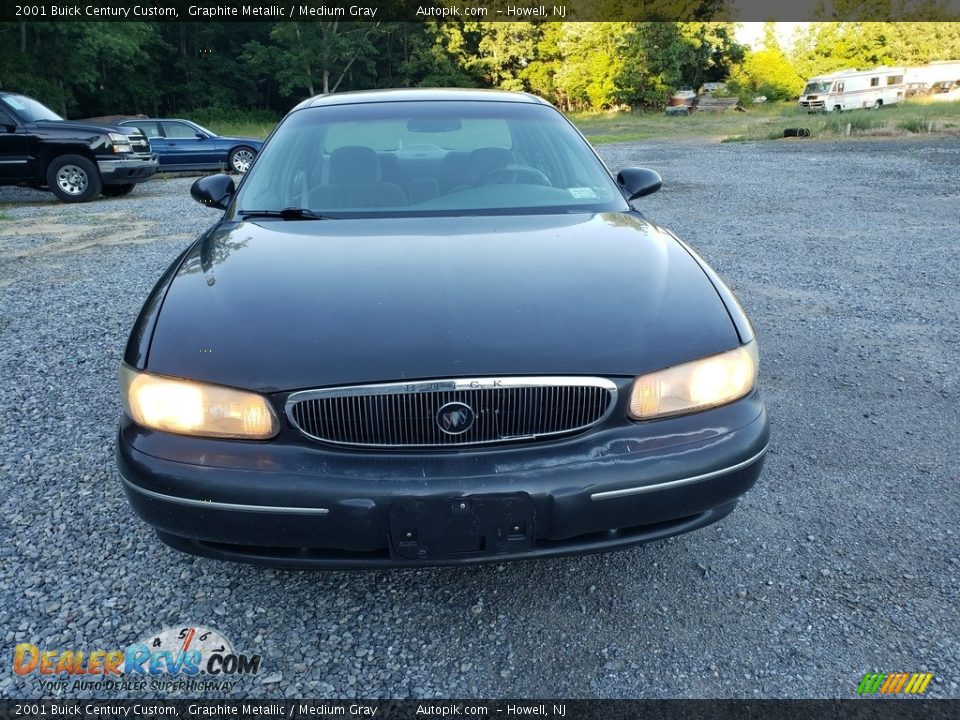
[{"x": 184, "y": 145}]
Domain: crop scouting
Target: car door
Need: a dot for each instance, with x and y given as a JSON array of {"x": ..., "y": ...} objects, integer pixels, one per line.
[
  {"x": 14, "y": 149},
  {"x": 184, "y": 146}
]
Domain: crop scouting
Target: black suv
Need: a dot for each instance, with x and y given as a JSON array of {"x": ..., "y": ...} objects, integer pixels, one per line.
[{"x": 76, "y": 161}]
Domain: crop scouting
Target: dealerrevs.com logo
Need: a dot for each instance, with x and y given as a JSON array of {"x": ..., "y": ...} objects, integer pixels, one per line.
[{"x": 172, "y": 659}]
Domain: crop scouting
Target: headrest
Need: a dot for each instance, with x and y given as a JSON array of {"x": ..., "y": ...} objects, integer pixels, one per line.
[
  {"x": 485, "y": 159},
  {"x": 353, "y": 164}
]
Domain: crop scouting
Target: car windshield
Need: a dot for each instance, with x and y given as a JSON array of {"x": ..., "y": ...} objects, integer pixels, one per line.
[
  {"x": 428, "y": 158},
  {"x": 28, "y": 109},
  {"x": 817, "y": 87}
]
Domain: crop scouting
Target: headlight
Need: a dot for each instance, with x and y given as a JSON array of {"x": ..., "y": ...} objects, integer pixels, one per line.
[
  {"x": 192, "y": 408},
  {"x": 120, "y": 142},
  {"x": 696, "y": 385}
]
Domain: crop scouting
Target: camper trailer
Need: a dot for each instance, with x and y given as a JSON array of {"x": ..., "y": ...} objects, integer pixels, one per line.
[
  {"x": 854, "y": 90},
  {"x": 940, "y": 80},
  {"x": 934, "y": 73}
]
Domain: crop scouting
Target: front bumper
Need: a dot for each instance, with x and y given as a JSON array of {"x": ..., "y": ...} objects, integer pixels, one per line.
[
  {"x": 289, "y": 504},
  {"x": 128, "y": 170}
]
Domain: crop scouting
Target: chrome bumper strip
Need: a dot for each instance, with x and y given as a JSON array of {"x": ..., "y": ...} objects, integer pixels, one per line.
[
  {"x": 677, "y": 483},
  {"x": 210, "y": 505}
]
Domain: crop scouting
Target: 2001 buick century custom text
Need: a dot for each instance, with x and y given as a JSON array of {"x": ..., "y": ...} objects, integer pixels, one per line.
[{"x": 429, "y": 328}]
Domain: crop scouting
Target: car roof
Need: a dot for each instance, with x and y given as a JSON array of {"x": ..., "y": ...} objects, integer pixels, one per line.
[{"x": 419, "y": 95}]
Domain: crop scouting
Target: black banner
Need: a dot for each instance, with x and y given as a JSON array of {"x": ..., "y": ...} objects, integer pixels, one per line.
[
  {"x": 475, "y": 10},
  {"x": 875, "y": 709}
]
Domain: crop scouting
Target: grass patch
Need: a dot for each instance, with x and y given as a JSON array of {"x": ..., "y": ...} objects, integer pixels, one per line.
[
  {"x": 5, "y": 216},
  {"x": 854, "y": 122},
  {"x": 257, "y": 130},
  {"x": 236, "y": 123},
  {"x": 766, "y": 122},
  {"x": 607, "y": 127},
  {"x": 912, "y": 124}
]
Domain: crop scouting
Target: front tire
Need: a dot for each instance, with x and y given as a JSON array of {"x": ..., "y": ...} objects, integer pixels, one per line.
[
  {"x": 241, "y": 158},
  {"x": 117, "y": 190},
  {"x": 73, "y": 178},
  {"x": 878, "y": 104}
]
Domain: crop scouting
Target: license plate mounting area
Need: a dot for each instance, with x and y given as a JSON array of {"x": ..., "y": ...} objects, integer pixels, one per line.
[{"x": 461, "y": 527}]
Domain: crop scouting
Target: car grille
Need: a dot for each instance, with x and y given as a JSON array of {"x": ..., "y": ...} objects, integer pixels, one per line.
[
  {"x": 139, "y": 144},
  {"x": 452, "y": 413}
]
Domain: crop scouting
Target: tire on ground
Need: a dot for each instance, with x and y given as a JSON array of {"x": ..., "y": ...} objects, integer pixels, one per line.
[
  {"x": 242, "y": 154},
  {"x": 73, "y": 178},
  {"x": 117, "y": 190}
]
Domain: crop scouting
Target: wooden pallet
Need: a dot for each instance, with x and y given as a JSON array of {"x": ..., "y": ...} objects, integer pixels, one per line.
[{"x": 718, "y": 105}]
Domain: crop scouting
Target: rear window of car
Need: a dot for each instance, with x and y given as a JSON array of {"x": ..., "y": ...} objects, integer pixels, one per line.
[{"x": 150, "y": 129}]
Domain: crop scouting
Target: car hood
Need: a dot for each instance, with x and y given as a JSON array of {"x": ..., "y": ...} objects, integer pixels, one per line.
[
  {"x": 86, "y": 127},
  {"x": 273, "y": 305}
]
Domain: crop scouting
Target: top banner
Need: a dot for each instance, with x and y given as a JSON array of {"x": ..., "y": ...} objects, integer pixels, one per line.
[{"x": 478, "y": 10}]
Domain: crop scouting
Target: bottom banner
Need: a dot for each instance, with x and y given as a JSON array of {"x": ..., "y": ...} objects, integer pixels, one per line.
[{"x": 912, "y": 709}]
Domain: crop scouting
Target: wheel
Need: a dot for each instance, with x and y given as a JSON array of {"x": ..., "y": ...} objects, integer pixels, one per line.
[
  {"x": 240, "y": 159},
  {"x": 878, "y": 104},
  {"x": 514, "y": 172},
  {"x": 838, "y": 108},
  {"x": 117, "y": 190},
  {"x": 73, "y": 178}
]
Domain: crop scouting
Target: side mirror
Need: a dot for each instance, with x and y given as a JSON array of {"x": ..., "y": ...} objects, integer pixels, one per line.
[
  {"x": 201, "y": 136},
  {"x": 214, "y": 191},
  {"x": 639, "y": 182}
]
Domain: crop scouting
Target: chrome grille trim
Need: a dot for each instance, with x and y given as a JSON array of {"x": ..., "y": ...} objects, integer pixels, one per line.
[{"x": 403, "y": 415}]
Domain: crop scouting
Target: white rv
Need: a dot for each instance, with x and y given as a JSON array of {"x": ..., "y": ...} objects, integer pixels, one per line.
[{"x": 854, "y": 90}]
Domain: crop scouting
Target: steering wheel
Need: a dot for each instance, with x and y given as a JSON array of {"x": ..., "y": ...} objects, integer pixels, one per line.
[{"x": 514, "y": 172}]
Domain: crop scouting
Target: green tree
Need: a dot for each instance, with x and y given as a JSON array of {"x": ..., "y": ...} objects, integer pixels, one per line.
[
  {"x": 662, "y": 56},
  {"x": 767, "y": 71},
  {"x": 825, "y": 47},
  {"x": 316, "y": 57},
  {"x": 592, "y": 61},
  {"x": 444, "y": 55},
  {"x": 103, "y": 74}
]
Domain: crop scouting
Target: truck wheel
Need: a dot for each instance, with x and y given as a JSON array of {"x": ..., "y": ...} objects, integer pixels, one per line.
[
  {"x": 878, "y": 104},
  {"x": 241, "y": 158},
  {"x": 117, "y": 190},
  {"x": 73, "y": 178}
]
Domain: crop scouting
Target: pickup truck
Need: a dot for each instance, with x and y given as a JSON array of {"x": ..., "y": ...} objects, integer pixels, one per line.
[{"x": 76, "y": 161}]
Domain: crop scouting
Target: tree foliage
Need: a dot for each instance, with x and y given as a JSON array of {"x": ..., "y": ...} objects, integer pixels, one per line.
[
  {"x": 767, "y": 71},
  {"x": 829, "y": 46},
  {"x": 85, "y": 69}
]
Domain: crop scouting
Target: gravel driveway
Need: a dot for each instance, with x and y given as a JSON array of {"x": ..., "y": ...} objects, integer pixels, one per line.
[{"x": 843, "y": 560}]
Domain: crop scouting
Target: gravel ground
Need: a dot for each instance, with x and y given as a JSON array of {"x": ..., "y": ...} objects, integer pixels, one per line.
[{"x": 843, "y": 560}]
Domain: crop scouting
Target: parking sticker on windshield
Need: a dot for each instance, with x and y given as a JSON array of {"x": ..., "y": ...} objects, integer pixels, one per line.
[{"x": 582, "y": 193}]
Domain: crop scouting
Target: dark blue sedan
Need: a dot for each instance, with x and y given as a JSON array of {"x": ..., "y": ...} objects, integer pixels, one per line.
[{"x": 184, "y": 145}]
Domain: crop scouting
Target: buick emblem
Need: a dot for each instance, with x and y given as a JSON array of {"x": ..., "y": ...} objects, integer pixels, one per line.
[{"x": 455, "y": 418}]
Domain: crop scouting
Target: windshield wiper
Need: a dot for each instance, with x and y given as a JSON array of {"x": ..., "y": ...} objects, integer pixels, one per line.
[{"x": 288, "y": 213}]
